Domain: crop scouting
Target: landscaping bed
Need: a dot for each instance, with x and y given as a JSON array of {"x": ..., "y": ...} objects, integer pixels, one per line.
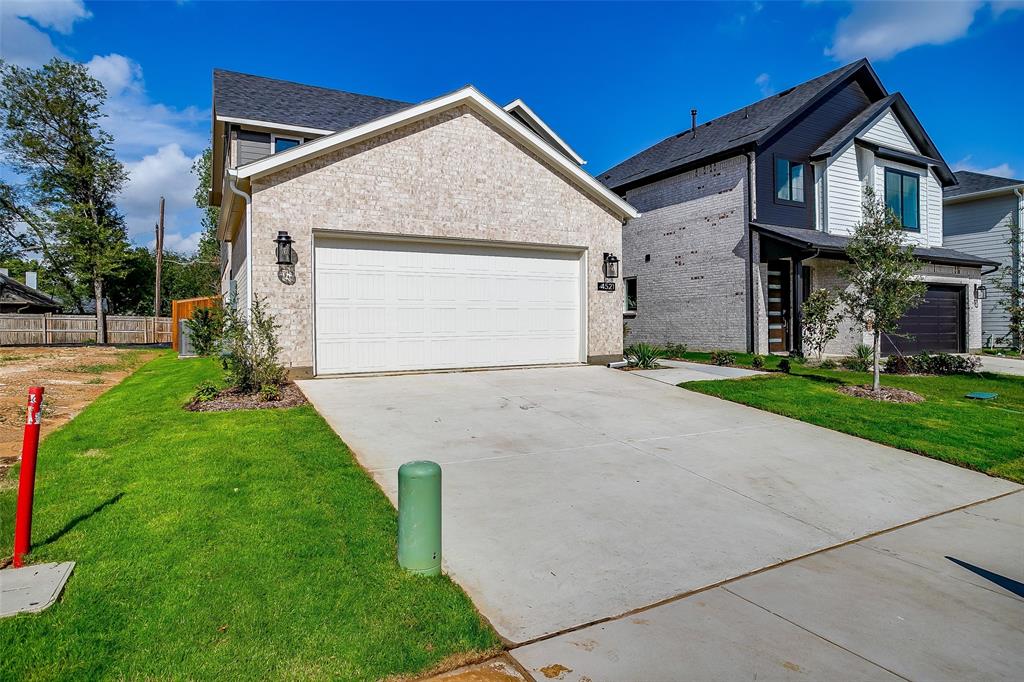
[
  {"x": 228, "y": 545},
  {"x": 234, "y": 399},
  {"x": 981, "y": 435}
]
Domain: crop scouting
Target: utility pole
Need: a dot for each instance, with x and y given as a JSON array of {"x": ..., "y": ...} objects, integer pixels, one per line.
[{"x": 159, "y": 260}]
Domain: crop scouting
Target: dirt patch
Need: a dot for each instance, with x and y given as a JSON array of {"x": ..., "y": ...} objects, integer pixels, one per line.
[
  {"x": 886, "y": 394},
  {"x": 233, "y": 399},
  {"x": 72, "y": 378}
]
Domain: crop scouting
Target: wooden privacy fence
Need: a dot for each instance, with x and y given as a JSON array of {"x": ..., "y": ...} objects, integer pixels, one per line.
[
  {"x": 183, "y": 308},
  {"x": 43, "y": 330}
]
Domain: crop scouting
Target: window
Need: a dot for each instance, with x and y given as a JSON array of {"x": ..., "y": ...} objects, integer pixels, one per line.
[
  {"x": 789, "y": 181},
  {"x": 903, "y": 198},
  {"x": 630, "y": 285},
  {"x": 282, "y": 143}
]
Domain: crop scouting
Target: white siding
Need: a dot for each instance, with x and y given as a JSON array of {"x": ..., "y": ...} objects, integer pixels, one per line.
[
  {"x": 844, "y": 191},
  {"x": 889, "y": 133},
  {"x": 931, "y": 201},
  {"x": 982, "y": 228}
]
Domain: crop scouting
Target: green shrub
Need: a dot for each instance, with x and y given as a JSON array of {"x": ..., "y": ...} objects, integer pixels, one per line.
[
  {"x": 270, "y": 392},
  {"x": 206, "y": 329},
  {"x": 828, "y": 363},
  {"x": 861, "y": 359},
  {"x": 757, "y": 362},
  {"x": 642, "y": 355},
  {"x": 722, "y": 357},
  {"x": 926, "y": 363},
  {"x": 784, "y": 365},
  {"x": 205, "y": 392},
  {"x": 251, "y": 349},
  {"x": 675, "y": 350}
]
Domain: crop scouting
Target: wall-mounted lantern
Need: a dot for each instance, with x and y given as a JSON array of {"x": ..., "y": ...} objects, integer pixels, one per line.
[
  {"x": 611, "y": 266},
  {"x": 284, "y": 248},
  {"x": 980, "y": 292}
]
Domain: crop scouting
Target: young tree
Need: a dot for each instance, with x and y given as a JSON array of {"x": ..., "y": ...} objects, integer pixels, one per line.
[
  {"x": 1010, "y": 282},
  {"x": 882, "y": 275},
  {"x": 821, "y": 320},
  {"x": 208, "y": 256},
  {"x": 52, "y": 140}
]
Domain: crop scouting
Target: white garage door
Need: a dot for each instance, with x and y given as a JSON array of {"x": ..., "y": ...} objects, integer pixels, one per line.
[{"x": 402, "y": 305}]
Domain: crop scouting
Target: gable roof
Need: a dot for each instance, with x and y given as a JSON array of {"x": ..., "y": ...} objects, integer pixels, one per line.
[
  {"x": 13, "y": 290},
  {"x": 525, "y": 114},
  {"x": 863, "y": 122},
  {"x": 969, "y": 182},
  {"x": 468, "y": 96},
  {"x": 751, "y": 124},
  {"x": 254, "y": 98}
]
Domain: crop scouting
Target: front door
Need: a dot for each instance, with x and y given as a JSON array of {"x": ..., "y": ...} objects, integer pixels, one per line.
[{"x": 778, "y": 306}]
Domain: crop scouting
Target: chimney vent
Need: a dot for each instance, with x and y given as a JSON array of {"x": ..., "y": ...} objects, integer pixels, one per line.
[
  {"x": 4, "y": 272},
  {"x": 693, "y": 122},
  {"x": 32, "y": 280}
]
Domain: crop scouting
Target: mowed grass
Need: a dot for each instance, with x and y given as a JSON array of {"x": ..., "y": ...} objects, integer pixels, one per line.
[
  {"x": 239, "y": 545},
  {"x": 987, "y": 436}
]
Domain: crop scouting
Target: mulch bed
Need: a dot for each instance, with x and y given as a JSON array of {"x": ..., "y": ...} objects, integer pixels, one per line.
[
  {"x": 233, "y": 399},
  {"x": 886, "y": 394}
]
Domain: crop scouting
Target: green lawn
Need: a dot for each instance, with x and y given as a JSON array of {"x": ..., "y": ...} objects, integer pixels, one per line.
[
  {"x": 982, "y": 435},
  {"x": 241, "y": 545}
]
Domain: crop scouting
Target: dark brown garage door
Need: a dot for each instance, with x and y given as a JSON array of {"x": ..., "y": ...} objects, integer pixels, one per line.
[{"x": 935, "y": 325}]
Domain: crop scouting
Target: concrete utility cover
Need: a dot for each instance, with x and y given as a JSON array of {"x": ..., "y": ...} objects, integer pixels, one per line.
[
  {"x": 573, "y": 494},
  {"x": 31, "y": 589}
]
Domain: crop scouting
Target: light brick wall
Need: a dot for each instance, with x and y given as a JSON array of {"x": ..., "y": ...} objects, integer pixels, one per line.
[
  {"x": 453, "y": 175},
  {"x": 693, "y": 290}
]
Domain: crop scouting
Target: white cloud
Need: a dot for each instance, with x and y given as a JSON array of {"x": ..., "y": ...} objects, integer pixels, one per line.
[
  {"x": 1003, "y": 170},
  {"x": 23, "y": 43},
  {"x": 168, "y": 173},
  {"x": 881, "y": 30},
  {"x": 764, "y": 84}
]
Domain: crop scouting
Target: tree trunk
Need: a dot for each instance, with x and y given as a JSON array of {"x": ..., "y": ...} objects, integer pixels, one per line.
[
  {"x": 876, "y": 384},
  {"x": 101, "y": 317}
]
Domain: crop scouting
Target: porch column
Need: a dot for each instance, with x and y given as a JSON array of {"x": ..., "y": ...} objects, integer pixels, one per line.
[{"x": 797, "y": 335}]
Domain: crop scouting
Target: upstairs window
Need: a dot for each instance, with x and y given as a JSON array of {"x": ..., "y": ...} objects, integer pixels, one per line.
[
  {"x": 630, "y": 286},
  {"x": 789, "y": 181},
  {"x": 902, "y": 196},
  {"x": 283, "y": 143}
]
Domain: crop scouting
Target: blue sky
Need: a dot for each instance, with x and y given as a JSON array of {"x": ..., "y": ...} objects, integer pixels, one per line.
[{"x": 610, "y": 78}]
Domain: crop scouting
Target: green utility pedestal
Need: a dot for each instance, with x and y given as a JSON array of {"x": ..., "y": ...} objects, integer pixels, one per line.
[{"x": 419, "y": 517}]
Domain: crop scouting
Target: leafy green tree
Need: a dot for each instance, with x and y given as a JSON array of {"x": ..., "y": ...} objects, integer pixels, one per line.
[
  {"x": 64, "y": 207},
  {"x": 821, "y": 319},
  {"x": 208, "y": 254},
  {"x": 882, "y": 275},
  {"x": 1010, "y": 282}
]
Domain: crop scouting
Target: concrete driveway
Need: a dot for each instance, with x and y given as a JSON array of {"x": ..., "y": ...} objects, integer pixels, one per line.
[
  {"x": 577, "y": 494},
  {"x": 994, "y": 363}
]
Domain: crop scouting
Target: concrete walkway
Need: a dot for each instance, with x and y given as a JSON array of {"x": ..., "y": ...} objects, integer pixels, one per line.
[
  {"x": 676, "y": 372},
  {"x": 994, "y": 363},
  {"x": 942, "y": 599},
  {"x": 576, "y": 494}
]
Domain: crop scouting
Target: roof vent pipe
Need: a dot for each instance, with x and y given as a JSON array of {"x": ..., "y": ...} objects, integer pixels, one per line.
[
  {"x": 693, "y": 122},
  {"x": 32, "y": 279}
]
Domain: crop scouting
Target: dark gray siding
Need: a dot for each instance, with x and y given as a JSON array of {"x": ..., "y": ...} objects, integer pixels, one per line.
[
  {"x": 795, "y": 143},
  {"x": 252, "y": 146}
]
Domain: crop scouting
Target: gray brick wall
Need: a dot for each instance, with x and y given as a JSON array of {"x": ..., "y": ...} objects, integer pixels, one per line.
[{"x": 693, "y": 289}]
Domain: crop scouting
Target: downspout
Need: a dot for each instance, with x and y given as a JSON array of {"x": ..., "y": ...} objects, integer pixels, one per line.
[
  {"x": 751, "y": 341},
  {"x": 232, "y": 178}
]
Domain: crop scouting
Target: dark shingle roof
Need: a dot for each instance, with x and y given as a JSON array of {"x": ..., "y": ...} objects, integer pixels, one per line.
[
  {"x": 970, "y": 182},
  {"x": 724, "y": 133},
  {"x": 13, "y": 290},
  {"x": 240, "y": 95},
  {"x": 834, "y": 243},
  {"x": 848, "y": 131}
]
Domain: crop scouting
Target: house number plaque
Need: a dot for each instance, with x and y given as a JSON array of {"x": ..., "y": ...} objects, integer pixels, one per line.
[{"x": 606, "y": 286}]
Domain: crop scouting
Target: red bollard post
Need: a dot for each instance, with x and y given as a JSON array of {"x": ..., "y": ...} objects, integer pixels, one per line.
[{"x": 27, "y": 479}]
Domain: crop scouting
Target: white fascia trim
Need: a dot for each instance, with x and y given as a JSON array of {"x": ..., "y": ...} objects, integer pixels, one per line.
[
  {"x": 528, "y": 112},
  {"x": 1008, "y": 189},
  {"x": 467, "y": 95},
  {"x": 270, "y": 125}
]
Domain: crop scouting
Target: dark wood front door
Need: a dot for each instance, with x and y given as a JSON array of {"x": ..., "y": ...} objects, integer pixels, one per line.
[
  {"x": 936, "y": 325},
  {"x": 779, "y": 299}
]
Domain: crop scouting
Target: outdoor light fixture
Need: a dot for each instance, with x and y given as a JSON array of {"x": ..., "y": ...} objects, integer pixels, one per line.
[
  {"x": 284, "y": 248},
  {"x": 980, "y": 292},
  {"x": 611, "y": 266}
]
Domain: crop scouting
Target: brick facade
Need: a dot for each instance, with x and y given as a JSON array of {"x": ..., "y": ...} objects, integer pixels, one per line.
[
  {"x": 453, "y": 175},
  {"x": 693, "y": 288}
]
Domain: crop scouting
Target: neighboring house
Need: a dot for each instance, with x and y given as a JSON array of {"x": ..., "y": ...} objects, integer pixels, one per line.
[
  {"x": 16, "y": 297},
  {"x": 982, "y": 216},
  {"x": 743, "y": 215},
  {"x": 446, "y": 234}
]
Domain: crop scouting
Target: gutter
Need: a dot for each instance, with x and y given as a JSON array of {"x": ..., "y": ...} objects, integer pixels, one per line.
[
  {"x": 751, "y": 341},
  {"x": 232, "y": 179}
]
